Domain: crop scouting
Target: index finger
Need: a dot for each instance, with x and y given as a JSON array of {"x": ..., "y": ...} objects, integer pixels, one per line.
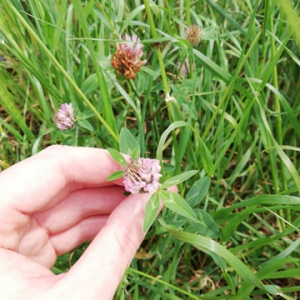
[{"x": 54, "y": 173}]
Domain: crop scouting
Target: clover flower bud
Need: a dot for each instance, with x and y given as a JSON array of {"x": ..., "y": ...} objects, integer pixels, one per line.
[
  {"x": 184, "y": 67},
  {"x": 193, "y": 35},
  {"x": 142, "y": 176},
  {"x": 127, "y": 60},
  {"x": 64, "y": 118}
]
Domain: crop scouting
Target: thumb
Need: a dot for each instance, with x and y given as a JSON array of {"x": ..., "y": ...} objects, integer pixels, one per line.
[{"x": 101, "y": 267}]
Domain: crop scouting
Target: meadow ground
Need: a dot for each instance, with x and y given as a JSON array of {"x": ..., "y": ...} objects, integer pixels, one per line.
[{"x": 227, "y": 107}]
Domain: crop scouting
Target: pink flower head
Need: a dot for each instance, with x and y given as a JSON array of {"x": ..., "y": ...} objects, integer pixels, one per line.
[
  {"x": 127, "y": 59},
  {"x": 142, "y": 176},
  {"x": 64, "y": 118},
  {"x": 184, "y": 67},
  {"x": 132, "y": 47},
  {"x": 193, "y": 35}
]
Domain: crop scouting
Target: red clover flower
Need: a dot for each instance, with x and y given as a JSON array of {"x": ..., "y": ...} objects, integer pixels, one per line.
[
  {"x": 64, "y": 118},
  {"x": 142, "y": 175},
  {"x": 127, "y": 58},
  {"x": 193, "y": 35}
]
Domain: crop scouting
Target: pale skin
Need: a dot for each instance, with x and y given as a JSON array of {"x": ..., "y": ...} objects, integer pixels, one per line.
[{"x": 50, "y": 204}]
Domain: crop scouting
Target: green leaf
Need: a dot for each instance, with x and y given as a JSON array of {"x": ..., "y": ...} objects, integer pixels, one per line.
[
  {"x": 227, "y": 16},
  {"x": 197, "y": 192},
  {"x": 237, "y": 218},
  {"x": 127, "y": 142},
  {"x": 178, "y": 179},
  {"x": 115, "y": 175},
  {"x": 206, "y": 158},
  {"x": 131, "y": 16},
  {"x": 135, "y": 153},
  {"x": 117, "y": 156},
  {"x": 10, "y": 105},
  {"x": 209, "y": 246},
  {"x": 90, "y": 84},
  {"x": 164, "y": 136},
  {"x": 86, "y": 125},
  {"x": 177, "y": 204},
  {"x": 84, "y": 115},
  {"x": 151, "y": 211},
  {"x": 205, "y": 224}
]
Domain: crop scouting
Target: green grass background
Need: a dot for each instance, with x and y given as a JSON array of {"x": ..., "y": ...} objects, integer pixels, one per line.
[{"x": 235, "y": 119}]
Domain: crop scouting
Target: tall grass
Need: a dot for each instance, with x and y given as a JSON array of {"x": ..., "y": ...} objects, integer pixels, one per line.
[{"x": 235, "y": 119}]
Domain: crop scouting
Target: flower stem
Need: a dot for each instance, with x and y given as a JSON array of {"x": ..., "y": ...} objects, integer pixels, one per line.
[
  {"x": 187, "y": 5},
  {"x": 76, "y": 136}
]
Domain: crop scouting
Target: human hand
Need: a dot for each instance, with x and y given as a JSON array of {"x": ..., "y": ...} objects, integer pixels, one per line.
[{"x": 50, "y": 204}]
